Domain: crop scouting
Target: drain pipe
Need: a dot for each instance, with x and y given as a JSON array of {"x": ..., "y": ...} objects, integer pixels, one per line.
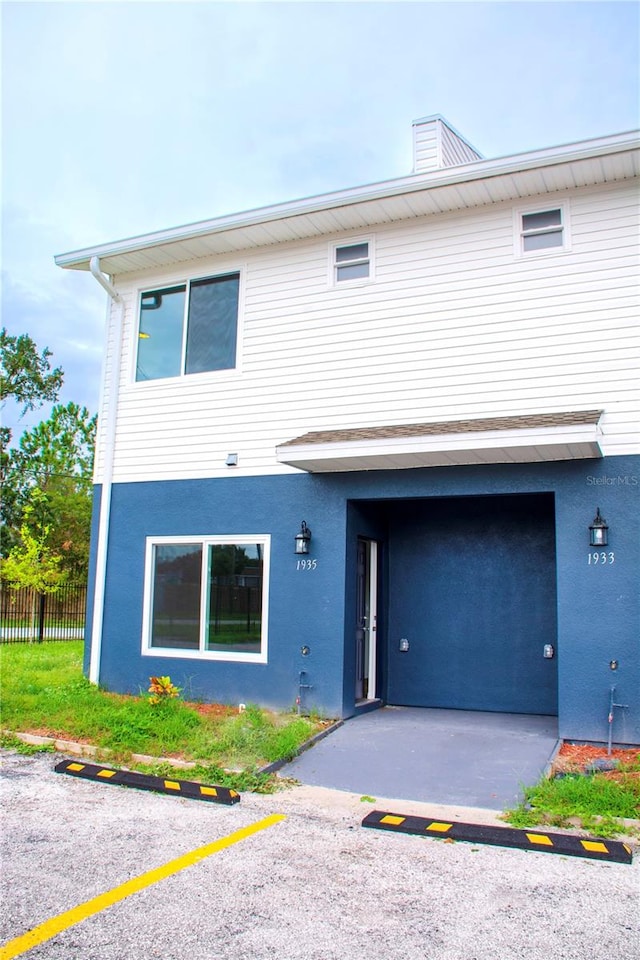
[
  {"x": 108, "y": 444},
  {"x": 302, "y": 685},
  {"x": 612, "y": 704}
]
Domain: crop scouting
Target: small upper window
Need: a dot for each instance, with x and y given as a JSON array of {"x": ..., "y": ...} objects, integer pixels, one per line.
[
  {"x": 189, "y": 328},
  {"x": 542, "y": 230},
  {"x": 352, "y": 262}
]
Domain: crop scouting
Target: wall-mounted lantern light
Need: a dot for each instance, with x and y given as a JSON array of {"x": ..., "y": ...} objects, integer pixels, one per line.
[
  {"x": 303, "y": 539},
  {"x": 598, "y": 531}
]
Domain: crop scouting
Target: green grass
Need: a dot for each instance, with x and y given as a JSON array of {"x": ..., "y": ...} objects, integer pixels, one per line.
[
  {"x": 43, "y": 691},
  {"x": 593, "y": 802}
]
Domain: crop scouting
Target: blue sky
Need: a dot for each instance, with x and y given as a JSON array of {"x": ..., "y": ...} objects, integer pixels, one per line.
[{"x": 121, "y": 118}]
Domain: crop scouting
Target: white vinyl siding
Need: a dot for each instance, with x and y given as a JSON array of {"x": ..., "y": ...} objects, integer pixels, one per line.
[
  {"x": 455, "y": 150},
  {"x": 437, "y": 146},
  {"x": 426, "y": 148},
  {"x": 454, "y": 327}
]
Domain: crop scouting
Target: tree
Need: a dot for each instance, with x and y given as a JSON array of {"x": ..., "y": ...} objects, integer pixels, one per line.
[
  {"x": 25, "y": 374},
  {"x": 26, "y": 377},
  {"x": 47, "y": 486},
  {"x": 32, "y": 564}
]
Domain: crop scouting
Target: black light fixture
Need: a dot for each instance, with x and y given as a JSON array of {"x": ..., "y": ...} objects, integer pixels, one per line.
[
  {"x": 303, "y": 538},
  {"x": 598, "y": 531}
]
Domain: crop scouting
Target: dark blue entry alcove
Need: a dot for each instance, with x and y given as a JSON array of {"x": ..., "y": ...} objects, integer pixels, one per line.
[{"x": 472, "y": 588}]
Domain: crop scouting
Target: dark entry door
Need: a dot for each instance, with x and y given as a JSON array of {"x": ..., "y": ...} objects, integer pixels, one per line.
[{"x": 473, "y": 591}]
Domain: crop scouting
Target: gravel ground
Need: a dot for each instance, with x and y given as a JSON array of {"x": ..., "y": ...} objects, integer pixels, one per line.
[{"x": 315, "y": 886}]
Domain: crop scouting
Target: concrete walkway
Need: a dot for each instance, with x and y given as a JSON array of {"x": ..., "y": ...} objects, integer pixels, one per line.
[{"x": 456, "y": 757}]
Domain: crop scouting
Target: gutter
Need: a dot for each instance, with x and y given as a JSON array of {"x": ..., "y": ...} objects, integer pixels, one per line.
[{"x": 109, "y": 437}]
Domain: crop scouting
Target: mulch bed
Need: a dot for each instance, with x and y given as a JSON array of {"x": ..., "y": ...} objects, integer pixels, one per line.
[
  {"x": 576, "y": 757},
  {"x": 213, "y": 710}
]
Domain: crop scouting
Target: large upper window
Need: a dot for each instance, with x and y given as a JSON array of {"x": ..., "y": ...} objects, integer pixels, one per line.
[
  {"x": 189, "y": 328},
  {"x": 207, "y": 598}
]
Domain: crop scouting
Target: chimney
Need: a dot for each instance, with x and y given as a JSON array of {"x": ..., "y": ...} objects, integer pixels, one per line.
[{"x": 437, "y": 145}]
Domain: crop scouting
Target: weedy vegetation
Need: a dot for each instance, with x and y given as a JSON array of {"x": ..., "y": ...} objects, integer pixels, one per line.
[
  {"x": 597, "y": 802},
  {"x": 44, "y": 692}
]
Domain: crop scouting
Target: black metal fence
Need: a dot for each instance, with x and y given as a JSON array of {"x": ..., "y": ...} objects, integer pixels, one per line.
[{"x": 27, "y": 616}]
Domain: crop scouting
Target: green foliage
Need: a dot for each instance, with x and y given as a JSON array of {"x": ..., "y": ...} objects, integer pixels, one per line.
[
  {"x": 26, "y": 375},
  {"x": 522, "y": 817},
  {"x": 596, "y": 802},
  {"x": 31, "y": 563},
  {"x": 584, "y": 796},
  {"x": 61, "y": 446},
  {"x": 162, "y": 690},
  {"x": 241, "y": 780},
  {"x": 47, "y": 484},
  {"x": 10, "y": 742},
  {"x": 43, "y": 689},
  {"x": 256, "y": 733}
]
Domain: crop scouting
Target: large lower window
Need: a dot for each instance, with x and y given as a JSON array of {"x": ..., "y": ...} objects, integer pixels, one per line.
[
  {"x": 189, "y": 328},
  {"x": 206, "y": 597}
]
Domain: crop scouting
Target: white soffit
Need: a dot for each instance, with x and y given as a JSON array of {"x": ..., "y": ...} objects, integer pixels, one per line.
[
  {"x": 520, "y": 442},
  {"x": 453, "y": 188}
]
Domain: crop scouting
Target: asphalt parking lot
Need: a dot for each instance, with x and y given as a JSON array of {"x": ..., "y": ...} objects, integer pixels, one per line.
[{"x": 311, "y": 885}]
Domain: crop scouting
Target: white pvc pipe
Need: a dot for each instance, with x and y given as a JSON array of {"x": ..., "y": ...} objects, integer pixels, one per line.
[{"x": 108, "y": 443}]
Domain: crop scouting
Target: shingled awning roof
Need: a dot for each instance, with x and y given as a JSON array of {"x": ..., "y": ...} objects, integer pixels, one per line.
[{"x": 519, "y": 439}]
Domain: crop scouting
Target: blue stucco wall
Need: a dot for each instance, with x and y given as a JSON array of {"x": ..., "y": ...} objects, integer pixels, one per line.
[
  {"x": 598, "y": 606},
  {"x": 305, "y": 607},
  {"x": 472, "y": 587}
]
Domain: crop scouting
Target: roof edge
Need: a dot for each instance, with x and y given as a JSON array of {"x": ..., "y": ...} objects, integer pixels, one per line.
[
  {"x": 474, "y": 170},
  {"x": 528, "y": 421}
]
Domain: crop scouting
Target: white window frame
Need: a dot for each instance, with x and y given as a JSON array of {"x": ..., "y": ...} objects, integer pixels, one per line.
[
  {"x": 202, "y": 653},
  {"x": 181, "y": 281},
  {"x": 333, "y": 263},
  {"x": 519, "y": 232}
]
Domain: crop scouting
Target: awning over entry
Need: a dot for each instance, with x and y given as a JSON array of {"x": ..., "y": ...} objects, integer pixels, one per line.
[{"x": 522, "y": 439}]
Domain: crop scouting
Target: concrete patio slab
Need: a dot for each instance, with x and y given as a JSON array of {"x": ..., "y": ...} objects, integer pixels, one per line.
[{"x": 458, "y": 757}]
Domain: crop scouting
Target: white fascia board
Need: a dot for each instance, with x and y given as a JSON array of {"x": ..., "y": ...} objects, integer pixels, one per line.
[
  {"x": 474, "y": 170},
  {"x": 577, "y": 438}
]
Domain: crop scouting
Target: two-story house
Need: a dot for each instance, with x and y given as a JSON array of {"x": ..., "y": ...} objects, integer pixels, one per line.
[{"x": 381, "y": 445}]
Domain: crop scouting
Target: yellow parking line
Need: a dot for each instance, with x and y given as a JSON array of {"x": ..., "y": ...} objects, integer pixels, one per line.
[{"x": 50, "y": 928}]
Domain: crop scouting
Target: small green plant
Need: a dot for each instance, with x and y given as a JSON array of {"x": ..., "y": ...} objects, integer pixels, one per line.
[
  {"x": 162, "y": 690},
  {"x": 367, "y": 799},
  {"x": 10, "y": 742},
  {"x": 249, "y": 780}
]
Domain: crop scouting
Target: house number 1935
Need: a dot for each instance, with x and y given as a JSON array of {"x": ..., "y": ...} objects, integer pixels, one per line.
[
  {"x": 601, "y": 557},
  {"x": 306, "y": 564}
]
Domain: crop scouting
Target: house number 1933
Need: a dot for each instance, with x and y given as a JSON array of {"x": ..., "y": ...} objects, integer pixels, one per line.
[
  {"x": 306, "y": 564},
  {"x": 601, "y": 557}
]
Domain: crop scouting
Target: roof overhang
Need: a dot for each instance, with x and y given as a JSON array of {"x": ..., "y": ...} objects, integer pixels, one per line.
[
  {"x": 467, "y": 185},
  {"x": 521, "y": 439}
]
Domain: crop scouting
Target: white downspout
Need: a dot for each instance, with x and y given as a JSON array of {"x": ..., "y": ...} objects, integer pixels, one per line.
[{"x": 108, "y": 443}]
